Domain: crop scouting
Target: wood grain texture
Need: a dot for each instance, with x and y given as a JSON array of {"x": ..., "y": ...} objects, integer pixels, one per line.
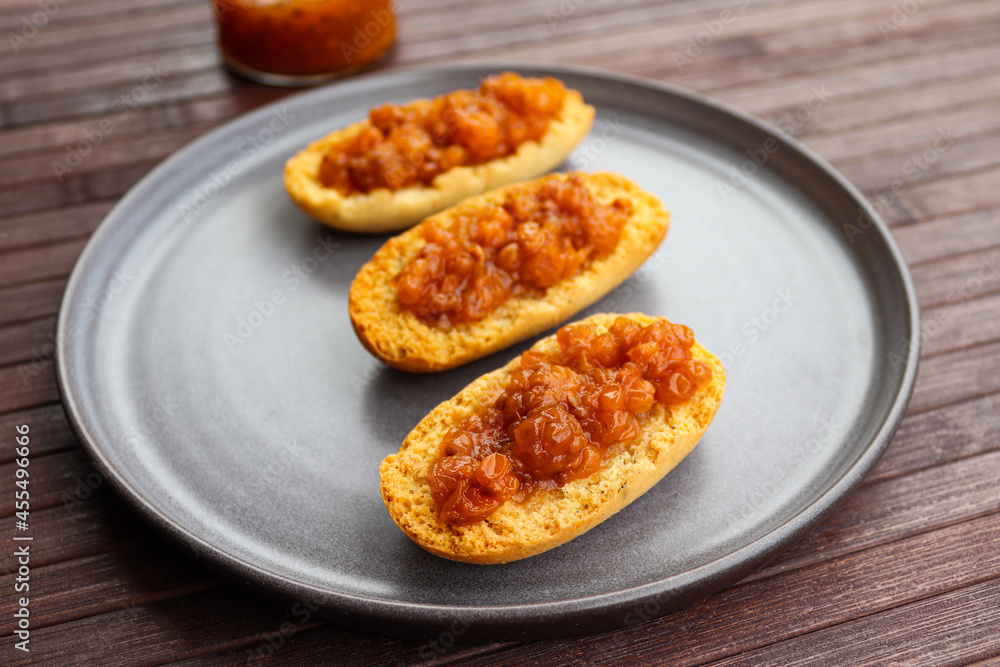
[
  {"x": 905, "y": 571},
  {"x": 903, "y": 635},
  {"x": 801, "y": 602}
]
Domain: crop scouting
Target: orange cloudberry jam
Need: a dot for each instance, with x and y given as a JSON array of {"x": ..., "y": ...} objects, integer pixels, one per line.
[
  {"x": 411, "y": 144},
  {"x": 300, "y": 38},
  {"x": 537, "y": 237},
  {"x": 562, "y": 414}
]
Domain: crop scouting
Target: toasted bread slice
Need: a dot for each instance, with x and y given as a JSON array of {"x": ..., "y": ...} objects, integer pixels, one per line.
[
  {"x": 550, "y": 517},
  {"x": 403, "y": 341},
  {"x": 383, "y": 211}
]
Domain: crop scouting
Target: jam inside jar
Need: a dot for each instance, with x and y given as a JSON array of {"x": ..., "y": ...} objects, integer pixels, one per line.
[{"x": 303, "y": 42}]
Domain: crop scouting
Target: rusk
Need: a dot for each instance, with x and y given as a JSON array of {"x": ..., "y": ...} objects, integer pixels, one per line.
[
  {"x": 383, "y": 211},
  {"x": 550, "y": 517},
  {"x": 403, "y": 341}
]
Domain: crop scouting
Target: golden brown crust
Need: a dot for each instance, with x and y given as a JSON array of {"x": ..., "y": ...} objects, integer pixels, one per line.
[
  {"x": 403, "y": 341},
  {"x": 384, "y": 211},
  {"x": 549, "y": 518}
]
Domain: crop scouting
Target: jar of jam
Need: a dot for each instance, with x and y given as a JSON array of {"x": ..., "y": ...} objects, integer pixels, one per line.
[{"x": 303, "y": 42}]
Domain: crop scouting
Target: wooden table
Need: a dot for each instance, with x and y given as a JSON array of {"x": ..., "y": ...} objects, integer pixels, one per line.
[{"x": 907, "y": 570}]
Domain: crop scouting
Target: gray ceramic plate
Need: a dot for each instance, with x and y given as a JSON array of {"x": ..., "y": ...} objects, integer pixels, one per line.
[{"x": 208, "y": 365}]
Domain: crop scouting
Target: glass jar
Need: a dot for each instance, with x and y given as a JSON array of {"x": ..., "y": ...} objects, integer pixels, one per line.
[{"x": 303, "y": 42}]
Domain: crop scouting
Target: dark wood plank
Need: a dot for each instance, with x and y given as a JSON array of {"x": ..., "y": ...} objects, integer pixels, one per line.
[
  {"x": 118, "y": 579},
  {"x": 311, "y": 647},
  {"x": 957, "y": 376},
  {"x": 952, "y": 235},
  {"x": 971, "y": 192},
  {"x": 650, "y": 38},
  {"x": 51, "y": 226},
  {"x": 908, "y": 136},
  {"x": 60, "y": 479},
  {"x": 12, "y": 11},
  {"x": 854, "y": 42},
  {"x": 944, "y": 435},
  {"x": 75, "y": 189},
  {"x": 958, "y": 279},
  {"x": 21, "y": 388},
  {"x": 801, "y": 602},
  {"x": 168, "y": 114},
  {"x": 214, "y": 619},
  {"x": 946, "y": 155},
  {"x": 39, "y": 262},
  {"x": 93, "y": 525},
  {"x": 29, "y": 302},
  {"x": 201, "y": 83},
  {"x": 965, "y": 324},
  {"x": 141, "y": 46},
  {"x": 110, "y": 154},
  {"x": 897, "y": 508},
  {"x": 48, "y": 430},
  {"x": 950, "y": 629},
  {"x": 131, "y": 81},
  {"x": 929, "y": 98},
  {"x": 533, "y": 27},
  {"x": 67, "y": 35},
  {"x": 904, "y": 73},
  {"x": 31, "y": 343}
]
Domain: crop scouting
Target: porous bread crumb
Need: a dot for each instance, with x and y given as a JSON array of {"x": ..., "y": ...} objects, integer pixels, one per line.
[
  {"x": 403, "y": 341},
  {"x": 382, "y": 210},
  {"x": 553, "y": 517}
]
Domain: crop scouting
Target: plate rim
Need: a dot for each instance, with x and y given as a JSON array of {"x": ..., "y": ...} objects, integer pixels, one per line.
[{"x": 558, "y": 618}]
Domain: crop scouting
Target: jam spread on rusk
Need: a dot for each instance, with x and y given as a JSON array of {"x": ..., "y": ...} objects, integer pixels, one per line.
[
  {"x": 562, "y": 414},
  {"x": 540, "y": 234},
  {"x": 407, "y": 145}
]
